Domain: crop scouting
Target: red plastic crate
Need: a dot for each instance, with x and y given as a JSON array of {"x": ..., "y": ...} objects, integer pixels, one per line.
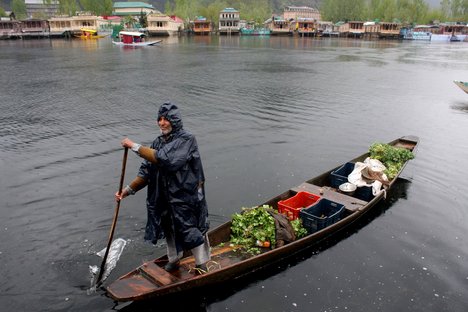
[{"x": 291, "y": 206}]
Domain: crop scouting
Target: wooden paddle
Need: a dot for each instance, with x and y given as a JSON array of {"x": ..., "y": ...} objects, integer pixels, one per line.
[{"x": 116, "y": 214}]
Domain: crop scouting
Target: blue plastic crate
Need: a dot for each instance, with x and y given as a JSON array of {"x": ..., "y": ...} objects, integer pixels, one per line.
[
  {"x": 340, "y": 176},
  {"x": 320, "y": 215}
]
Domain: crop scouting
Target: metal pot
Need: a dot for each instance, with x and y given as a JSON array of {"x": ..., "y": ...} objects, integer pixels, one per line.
[{"x": 348, "y": 188}]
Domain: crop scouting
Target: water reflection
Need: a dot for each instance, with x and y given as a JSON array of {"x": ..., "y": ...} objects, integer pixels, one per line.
[{"x": 460, "y": 106}]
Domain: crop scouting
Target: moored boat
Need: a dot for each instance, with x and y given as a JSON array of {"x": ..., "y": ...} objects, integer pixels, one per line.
[
  {"x": 150, "y": 280},
  {"x": 463, "y": 85},
  {"x": 134, "y": 39},
  {"x": 87, "y": 33}
]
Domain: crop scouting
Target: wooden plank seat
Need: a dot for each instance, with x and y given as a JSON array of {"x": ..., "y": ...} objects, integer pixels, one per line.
[
  {"x": 157, "y": 274},
  {"x": 350, "y": 203}
]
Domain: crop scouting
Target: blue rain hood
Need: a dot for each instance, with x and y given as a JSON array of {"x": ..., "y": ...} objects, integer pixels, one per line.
[{"x": 171, "y": 113}]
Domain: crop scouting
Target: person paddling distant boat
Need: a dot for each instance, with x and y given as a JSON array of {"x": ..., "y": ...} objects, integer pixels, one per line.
[{"x": 173, "y": 173}]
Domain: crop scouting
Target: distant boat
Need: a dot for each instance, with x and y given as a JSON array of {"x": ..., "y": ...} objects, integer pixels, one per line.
[
  {"x": 462, "y": 85},
  {"x": 87, "y": 33},
  {"x": 255, "y": 31},
  {"x": 133, "y": 39}
]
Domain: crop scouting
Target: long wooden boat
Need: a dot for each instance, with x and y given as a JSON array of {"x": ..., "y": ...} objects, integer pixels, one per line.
[
  {"x": 462, "y": 85},
  {"x": 150, "y": 280},
  {"x": 133, "y": 39}
]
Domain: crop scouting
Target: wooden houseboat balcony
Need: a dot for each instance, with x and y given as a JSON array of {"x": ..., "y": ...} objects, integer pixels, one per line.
[
  {"x": 356, "y": 29},
  {"x": 35, "y": 27},
  {"x": 389, "y": 30},
  {"x": 10, "y": 29},
  {"x": 280, "y": 27},
  {"x": 449, "y": 29},
  {"x": 306, "y": 27},
  {"x": 324, "y": 28},
  {"x": 202, "y": 28},
  {"x": 433, "y": 29},
  {"x": 371, "y": 29}
]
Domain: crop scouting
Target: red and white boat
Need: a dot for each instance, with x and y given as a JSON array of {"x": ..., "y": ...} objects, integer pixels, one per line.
[{"x": 134, "y": 39}]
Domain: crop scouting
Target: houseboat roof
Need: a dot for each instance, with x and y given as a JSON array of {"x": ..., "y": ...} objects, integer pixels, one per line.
[
  {"x": 232, "y": 10},
  {"x": 136, "y": 4},
  {"x": 305, "y": 19}
]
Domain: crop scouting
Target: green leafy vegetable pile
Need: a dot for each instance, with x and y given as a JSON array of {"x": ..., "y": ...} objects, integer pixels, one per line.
[
  {"x": 299, "y": 230},
  {"x": 256, "y": 224},
  {"x": 392, "y": 157},
  {"x": 252, "y": 225}
]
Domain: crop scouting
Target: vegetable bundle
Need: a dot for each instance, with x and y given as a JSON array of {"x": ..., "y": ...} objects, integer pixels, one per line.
[
  {"x": 392, "y": 157},
  {"x": 252, "y": 225},
  {"x": 255, "y": 226}
]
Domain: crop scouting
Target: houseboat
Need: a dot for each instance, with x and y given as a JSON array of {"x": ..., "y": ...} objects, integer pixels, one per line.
[
  {"x": 356, "y": 29},
  {"x": 164, "y": 25},
  {"x": 324, "y": 29},
  {"x": 201, "y": 26},
  {"x": 279, "y": 26},
  {"x": 10, "y": 29},
  {"x": 450, "y": 32},
  {"x": 306, "y": 27},
  {"x": 371, "y": 30},
  {"x": 229, "y": 20},
  {"x": 255, "y": 32},
  {"x": 389, "y": 30},
  {"x": 35, "y": 28},
  {"x": 419, "y": 32},
  {"x": 69, "y": 26}
]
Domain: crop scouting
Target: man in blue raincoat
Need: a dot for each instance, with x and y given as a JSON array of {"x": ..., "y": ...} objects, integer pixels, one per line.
[{"x": 173, "y": 173}]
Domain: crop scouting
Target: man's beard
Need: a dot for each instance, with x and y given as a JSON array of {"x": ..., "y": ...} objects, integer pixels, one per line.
[{"x": 166, "y": 131}]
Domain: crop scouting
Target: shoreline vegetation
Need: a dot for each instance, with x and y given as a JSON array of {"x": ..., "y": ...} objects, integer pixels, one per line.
[{"x": 405, "y": 11}]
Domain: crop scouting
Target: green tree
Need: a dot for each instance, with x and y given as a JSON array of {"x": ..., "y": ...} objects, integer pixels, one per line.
[
  {"x": 142, "y": 19},
  {"x": 434, "y": 15},
  {"x": 2, "y": 12},
  {"x": 68, "y": 7},
  {"x": 255, "y": 10},
  {"x": 97, "y": 7},
  {"x": 349, "y": 10},
  {"x": 129, "y": 22},
  {"x": 168, "y": 8},
  {"x": 411, "y": 11},
  {"x": 187, "y": 9},
  {"x": 211, "y": 11},
  {"x": 19, "y": 8}
]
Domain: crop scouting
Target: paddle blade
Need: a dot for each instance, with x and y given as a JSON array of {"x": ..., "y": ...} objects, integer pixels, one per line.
[{"x": 113, "y": 256}]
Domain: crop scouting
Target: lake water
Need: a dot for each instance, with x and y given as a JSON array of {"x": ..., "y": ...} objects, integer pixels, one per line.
[{"x": 268, "y": 113}]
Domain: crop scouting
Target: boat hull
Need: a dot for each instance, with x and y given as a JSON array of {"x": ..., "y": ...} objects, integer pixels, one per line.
[
  {"x": 462, "y": 85},
  {"x": 136, "y": 44}
]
